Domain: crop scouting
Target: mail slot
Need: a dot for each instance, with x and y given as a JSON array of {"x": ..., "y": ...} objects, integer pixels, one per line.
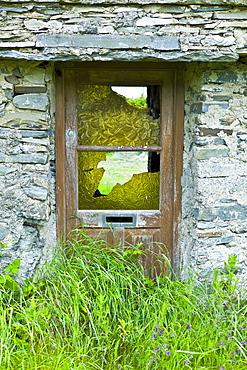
[{"x": 119, "y": 220}]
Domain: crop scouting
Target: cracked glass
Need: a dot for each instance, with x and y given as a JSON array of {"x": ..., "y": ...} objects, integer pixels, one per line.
[{"x": 116, "y": 180}]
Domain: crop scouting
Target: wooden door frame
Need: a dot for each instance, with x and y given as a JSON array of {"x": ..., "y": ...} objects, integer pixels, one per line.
[{"x": 173, "y": 140}]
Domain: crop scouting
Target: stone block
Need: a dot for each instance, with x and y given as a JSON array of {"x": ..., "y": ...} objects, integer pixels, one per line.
[
  {"x": 221, "y": 97},
  {"x": 108, "y": 42},
  {"x": 176, "y": 9},
  {"x": 35, "y": 24},
  {"x": 35, "y": 134},
  {"x": 31, "y": 101},
  {"x": 224, "y": 168},
  {"x": 202, "y": 141},
  {"x": 204, "y": 214},
  {"x": 150, "y": 22},
  {"x": 55, "y": 10},
  {"x": 209, "y": 9},
  {"x": 28, "y": 158},
  {"x": 36, "y": 192},
  {"x": 236, "y": 212},
  {"x": 219, "y": 40},
  {"x": 3, "y": 133},
  {"x": 239, "y": 228},
  {"x": 17, "y": 44},
  {"x": 5, "y": 170},
  {"x": 228, "y": 200},
  {"x": 231, "y": 15},
  {"x": 9, "y": 93},
  {"x": 225, "y": 240},
  {"x": 30, "y": 89},
  {"x": 207, "y": 153},
  {"x": 34, "y": 147},
  {"x": 3, "y": 232},
  {"x": 205, "y": 225},
  {"x": 242, "y": 136},
  {"x": 12, "y": 79},
  {"x": 38, "y": 211},
  {"x": 16, "y": 71},
  {"x": 35, "y": 120},
  {"x": 196, "y": 108},
  {"x": 209, "y": 234},
  {"x": 206, "y": 106},
  {"x": 35, "y": 76},
  {"x": 214, "y": 132},
  {"x": 32, "y": 143},
  {"x": 221, "y": 76}
]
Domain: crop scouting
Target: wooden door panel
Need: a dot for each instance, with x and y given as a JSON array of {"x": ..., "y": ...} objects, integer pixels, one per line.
[
  {"x": 153, "y": 257},
  {"x": 149, "y": 241}
]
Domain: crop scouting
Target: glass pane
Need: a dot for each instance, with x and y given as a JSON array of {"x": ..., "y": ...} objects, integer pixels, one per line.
[
  {"x": 118, "y": 181},
  {"x": 106, "y": 118}
]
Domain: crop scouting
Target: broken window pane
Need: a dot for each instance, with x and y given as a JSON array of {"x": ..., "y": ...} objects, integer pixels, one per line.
[
  {"x": 135, "y": 95},
  {"x": 107, "y": 118},
  {"x": 127, "y": 187}
]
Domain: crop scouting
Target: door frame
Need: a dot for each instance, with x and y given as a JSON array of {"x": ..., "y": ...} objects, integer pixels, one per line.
[{"x": 172, "y": 98}]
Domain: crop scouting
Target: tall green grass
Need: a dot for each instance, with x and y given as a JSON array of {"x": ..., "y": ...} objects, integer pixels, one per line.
[{"x": 96, "y": 309}]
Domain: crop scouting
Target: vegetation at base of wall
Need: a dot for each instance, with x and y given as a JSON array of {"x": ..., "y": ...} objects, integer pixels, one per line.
[{"x": 96, "y": 309}]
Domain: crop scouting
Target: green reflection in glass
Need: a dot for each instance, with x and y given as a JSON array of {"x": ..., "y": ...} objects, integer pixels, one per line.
[{"x": 131, "y": 190}]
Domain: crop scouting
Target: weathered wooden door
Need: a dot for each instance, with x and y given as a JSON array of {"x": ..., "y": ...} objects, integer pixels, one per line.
[{"x": 93, "y": 121}]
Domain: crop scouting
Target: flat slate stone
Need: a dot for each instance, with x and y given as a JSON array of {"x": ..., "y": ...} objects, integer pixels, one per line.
[
  {"x": 6, "y": 170},
  {"x": 28, "y": 119},
  {"x": 108, "y": 42},
  {"x": 12, "y": 9},
  {"x": 203, "y": 141},
  {"x": 3, "y": 232},
  {"x": 36, "y": 192},
  {"x": 236, "y": 212},
  {"x": 228, "y": 75},
  {"x": 231, "y": 15},
  {"x": 36, "y": 134},
  {"x": 28, "y": 158},
  {"x": 204, "y": 214},
  {"x": 205, "y": 106},
  {"x": 207, "y": 153},
  {"x": 31, "y": 101}
]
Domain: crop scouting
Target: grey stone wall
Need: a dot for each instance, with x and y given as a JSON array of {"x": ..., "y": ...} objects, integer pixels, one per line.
[
  {"x": 27, "y": 177},
  {"x": 215, "y": 167},
  {"x": 205, "y": 30},
  {"x": 209, "y": 36}
]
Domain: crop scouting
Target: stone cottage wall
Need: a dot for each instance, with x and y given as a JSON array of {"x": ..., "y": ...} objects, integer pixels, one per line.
[
  {"x": 27, "y": 166},
  {"x": 215, "y": 166},
  {"x": 105, "y": 30},
  {"x": 209, "y": 36}
]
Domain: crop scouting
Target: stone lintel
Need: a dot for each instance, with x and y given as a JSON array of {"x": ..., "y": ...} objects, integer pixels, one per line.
[
  {"x": 108, "y": 42},
  {"x": 127, "y": 2},
  {"x": 65, "y": 54}
]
